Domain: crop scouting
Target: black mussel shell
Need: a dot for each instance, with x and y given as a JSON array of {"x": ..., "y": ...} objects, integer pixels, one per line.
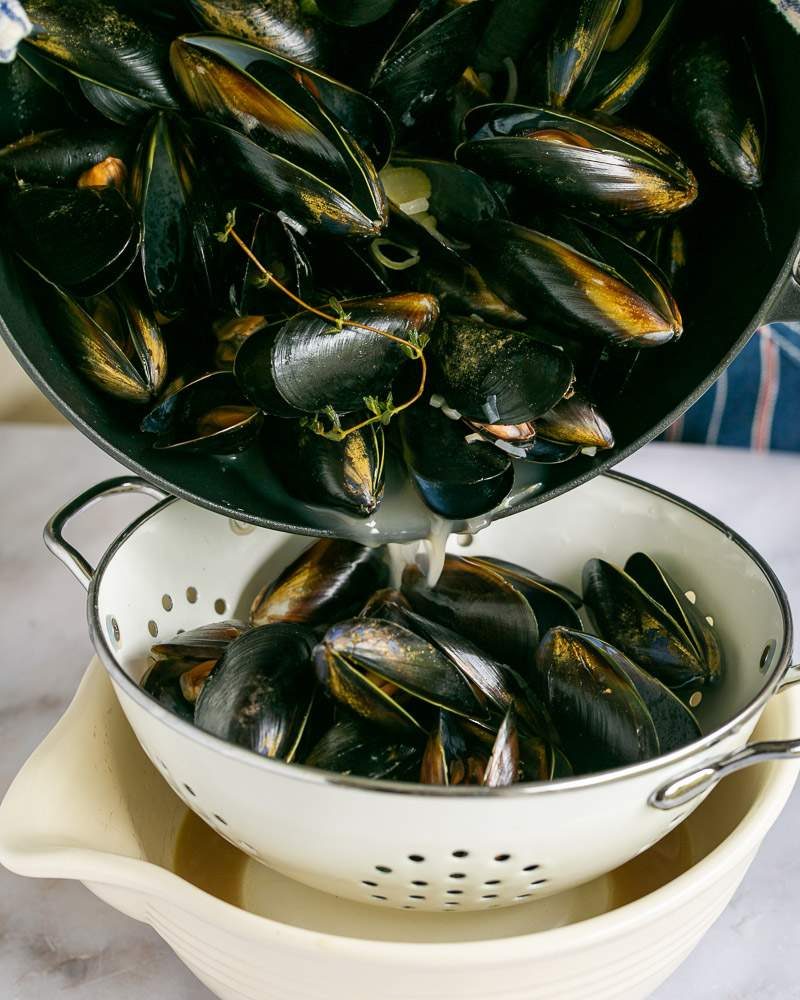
[
  {"x": 278, "y": 26},
  {"x": 601, "y": 718},
  {"x": 329, "y": 581},
  {"x": 576, "y": 44},
  {"x": 666, "y": 247},
  {"x": 413, "y": 257},
  {"x": 353, "y": 746},
  {"x": 202, "y": 643},
  {"x": 576, "y": 421},
  {"x": 206, "y": 416},
  {"x": 447, "y": 759},
  {"x": 589, "y": 166},
  {"x": 431, "y": 52},
  {"x": 390, "y": 655},
  {"x": 354, "y": 13},
  {"x": 384, "y": 603},
  {"x": 163, "y": 682},
  {"x": 716, "y": 95},
  {"x": 119, "y": 56},
  {"x": 30, "y": 102},
  {"x": 477, "y": 603},
  {"x": 545, "y": 277},
  {"x": 347, "y": 475},
  {"x": 552, "y": 603},
  {"x": 663, "y": 588},
  {"x": 513, "y": 28},
  {"x": 81, "y": 239},
  {"x": 177, "y": 243},
  {"x": 633, "y": 621},
  {"x": 457, "y": 479},
  {"x": 633, "y": 46},
  {"x": 310, "y": 365},
  {"x": 230, "y": 334},
  {"x": 61, "y": 156},
  {"x": 114, "y": 342},
  {"x": 497, "y": 376},
  {"x": 503, "y": 767},
  {"x": 259, "y": 694},
  {"x": 540, "y": 451}
]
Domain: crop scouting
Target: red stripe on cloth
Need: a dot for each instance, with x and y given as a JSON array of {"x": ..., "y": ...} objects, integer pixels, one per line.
[
  {"x": 767, "y": 392},
  {"x": 675, "y": 430}
]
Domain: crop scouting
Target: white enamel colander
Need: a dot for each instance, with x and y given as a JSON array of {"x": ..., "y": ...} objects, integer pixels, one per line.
[{"x": 421, "y": 847}]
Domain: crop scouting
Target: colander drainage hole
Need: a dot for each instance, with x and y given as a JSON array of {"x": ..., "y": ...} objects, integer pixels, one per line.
[
  {"x": 191, "y": 595},
  {"x": 416, "y": 897},
  {"x": 418, "y": 881},
  {"x": 372, "y": 885},
  {"x": 539, "y": 881},
  {"x": 384, "y": 869},
  {"x": 502, "y": 857},
  {"x": 455, "y": 892},
  {"x": 219, "y": 819},
  {"x": 490, "y": 896},
  {"x": 220, "y": 606},
  {"x": 190, "y": 790},
  {"x": 113, "y": 628},
  {"x": 166, "y": 602},
  {"x": 416, "y": 858},
  {"x": 460, "y": 854},
  {"x": 382, "y": 898},
  {"x": 152, "y": 628},
  {"x": 530, "y": 868},
  {"x": 492, "y": 881},
  {"x": 451, "y": 902},
  {"x": 457, "y": 875}
]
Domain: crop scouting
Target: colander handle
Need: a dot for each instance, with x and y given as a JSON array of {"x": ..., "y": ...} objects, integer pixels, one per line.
[
  {"x": 54, "y": 539},
  {"x": 680, "y": 791}
]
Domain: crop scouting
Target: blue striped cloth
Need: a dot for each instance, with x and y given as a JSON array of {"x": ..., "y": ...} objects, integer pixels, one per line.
[{"x": 754, "y": 404}]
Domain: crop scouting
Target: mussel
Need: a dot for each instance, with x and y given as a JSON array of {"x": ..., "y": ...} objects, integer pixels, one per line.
[
  {"x": 576, "y": 421},
  {"x": 61, "y": 156},
  {"x": 354, "y": 13},
  {"x": 260, "y": 693},
  {"x": 208, "y": 415},
  {"x": 671, "y": 640},
  {"x": 447, "y": 759},
  {"x": 576, "y": 44},
  {"x": 513, "y": 28},
  {"x": 230, "y": 334},
  {"x": 277, "y": 25},
  {"x": 498, "y": 376},
  {"x": 503, "y": 766},
  {"x": 312, "y": 364},
  {"x": 589, "y": 166},
  {"x": 206, "y": 642},
  {"x": 328, "y": 582},
  {"x": 347, "y": 475},
  {"x": 552, "y": 603},
  {"x": 353, "y": 746},
  {"x": 163, "y": 682},
  {"x": 31, "y": 103}
]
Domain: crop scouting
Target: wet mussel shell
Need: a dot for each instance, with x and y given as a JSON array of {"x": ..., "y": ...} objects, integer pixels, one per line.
[
  {"x": 353, "y": 746},
  {"x": 31, "y": 104},
  {"x": 716, "y": 96},
  {"x": 206, "y": 416},
  {"x": 81, "y": 239},
  {"x": 330, "y": 581},
  {"x": 59, "y": 156},
  {"x": 576, "y": 421},
  {"x": 476, "y": 602},
  {"x": 576, "y": 44},
  {"x": 602, "y": 720},
  {"x": 503, "y": 766},
  {"x": 632, "y": 620},
  {"x": 456, "y": 478},
  {"x": 552, "y": 603},
  {"x": 260, "y": 692},
  {"x": 513, "y": 28},
  {"x": 589, "y": 166},
  {"x": 309, "y": 364},
  {"x": 201, "y": 643},
  {"x": 354, "y": 13},
  {"x": 345, "y": 475},
  {"x": 497, "y": 376},
  {"x": 578, "y": 293},
  {"x": 163, "y": 682}
]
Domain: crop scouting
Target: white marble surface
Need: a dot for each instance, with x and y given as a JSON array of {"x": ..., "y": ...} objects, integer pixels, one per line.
[{"x": 56, "y": 939}]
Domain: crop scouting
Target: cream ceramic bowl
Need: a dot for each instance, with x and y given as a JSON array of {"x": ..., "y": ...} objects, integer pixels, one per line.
[{"x": 89, "y": 805}]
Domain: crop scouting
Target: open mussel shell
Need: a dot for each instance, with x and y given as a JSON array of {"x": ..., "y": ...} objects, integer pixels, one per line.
[
  {"x": 206, "y": 416},
  {"x": 476, "y": 602},
  {"x": 544, "y": 277},
  {"x": 576, "y": 44},
  {"x": 30, "y": 103},
  {"x": 60, "y": 156},
  {"x": 632, "y": 48},
  {"x": 309, "y": 364},
  {"x": 81, "y": 239},
  {"x": 354, "y": 13},
  {"x": 356, "y": 657},
  {"x": 202, "y": 643},
  {"x": 279, "y": 25},
  {"x": 177, "y": 244},
  {"x": 513, "y": 28},
  {"x": 346, "y": 475},
  {"x": 632, "y": 620},
  {"x": 230, "y": 334},
  {"x": 503, "y": 766},
  {"x": 497, "y": 376},
  {"x": 576, "y": 421},
  {"x": 163, "y": 682},
  {"x": 120, "y": 58},
  {"x": 242, "y": 87},
  {"x": 331, "y": 580},
  {"x": 432, "y": 50},
  {"x": 457, "y": 479},
  {"x": 259, "y": 694},
  {"x": 589, "y": 166},
  {"x": 413, "y": 257},
  {"x": 716, "y": 96},
  {"x": 552, "y": 603},
  {"x": 666, "y": 246},
  {"x": 353, "y": 746},
  {"x": 114, "y": 342},
  {"x": 658, "y": 583},
  {"x": 447, "y": 759},
  {"x": 601, "y": 718}
]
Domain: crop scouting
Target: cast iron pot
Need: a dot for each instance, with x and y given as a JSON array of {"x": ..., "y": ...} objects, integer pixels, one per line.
[{"x": 744, "y": 259}]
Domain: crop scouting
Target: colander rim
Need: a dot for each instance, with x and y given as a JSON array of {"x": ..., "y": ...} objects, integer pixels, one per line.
[{"x": 300, "y": 772}]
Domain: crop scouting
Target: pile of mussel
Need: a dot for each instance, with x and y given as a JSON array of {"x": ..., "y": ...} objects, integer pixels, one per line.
[
  {"x": 343, "y": 231},
  {"x": 488, "y": 677}
]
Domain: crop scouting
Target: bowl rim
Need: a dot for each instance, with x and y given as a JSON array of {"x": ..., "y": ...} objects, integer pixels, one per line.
[{"x": 125, "y": 684}]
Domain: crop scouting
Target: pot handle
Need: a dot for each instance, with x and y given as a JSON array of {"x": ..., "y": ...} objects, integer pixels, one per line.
[
  {"x": 54, "y": 539},
  {"x": 680, "y": 791}
]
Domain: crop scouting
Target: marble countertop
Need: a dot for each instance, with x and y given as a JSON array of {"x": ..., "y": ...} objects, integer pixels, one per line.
[{"x": 57, "y": 939}]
